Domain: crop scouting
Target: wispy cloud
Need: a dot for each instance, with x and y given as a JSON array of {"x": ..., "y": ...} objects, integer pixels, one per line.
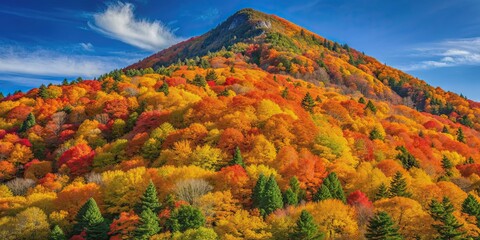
[
  {"x": 209, "y": 14},
  {"x": 119, "y": 22},
  {"x": 87, "y": 47},
  {"x": 448, "y": 53}
]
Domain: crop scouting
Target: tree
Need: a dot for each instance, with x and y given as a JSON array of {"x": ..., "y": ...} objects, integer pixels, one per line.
[
  {"x": 308, "y": 103},
  {"x": 290, "y": 197},
  {"x": 151, "y": 149},
  {"x": 330, "y": 188},
  {"x": 164, "y": 88},
  {"x": 148, "y": 225},
  {"x": 185, "y": 217},
  {"x": 407, "y": 159},
  {"x": 199, "y": 80},
  {"x": 257, "y": 193},
  {"x": 271, "y": 199},
  {"x": 149, "y": 199},
  {"x": 322, "y": 194},
  {"x": 361, "y": 100},
  {"x": 382, "y": 227},
  {"x": 447, "y": 166},
  {"x": 448, "y": 226},
  {"x": 211, "y": 75},
  {"x": 370, "y": 106},
  {"x": 90, "y": 220},
  {"x": 306, "y": 229},
  {"x": 382, "y": 192},
  {"x": 375, "y": 134},
  {"x": 398, "y": 186},
  {"x": 237, "y": 158},
  {"x": 460, "y": 136},
  {"x": 28, "y": 123},
  {"x": 57, "y": 234},
  {"x": 471, "y": 206},
  {"x": 285, "y": 93}
]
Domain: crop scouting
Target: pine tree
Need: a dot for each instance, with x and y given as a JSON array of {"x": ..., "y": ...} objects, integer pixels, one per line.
[
  {"x": 290, "y": 198},
  {"x": 295, "y": 186},
  {"x": 398, "y": 186},
  {"x": 335, "y": 187},
  {"x": 322, "y": 194},
  {"x": 90, "y": 220},
  {"x": 57, "y": 234},
  {"x": 471, "y": 206},
  {"x": 42, "y": 91},
  {"x": 199, "y": 80},
  {"x": 211, "y": 75},
  {"x": 308, "y": 103},
  {"x": 285, "y": 93},
  {"x": 470, "y": 160},
  {"x": 447, "y": 166},
  {"x": 148, "y": 225},
  {"x": 232, "y": 69},
  {"x": 237, "y": 158},
  {"x": 271, "y": 198},
  {"x": 184, "y": 218},
  {"x": 258, "y": 190},
  {"x": 65, "y": 82},
  {"x": 164, "y": 88},
  {"x": 371, "y": 107},
  {"x": 375, "y": 134},
  {"x": 382, "y": 227},
  {"x": 407, "y": 159},
  {"x": 382, "y": 192},
  {"x": 306, "y": 229},
  {"x": 361, "y": 100},
  {"x": 149, "y": 200},
  {"x": 28, "y": 123},
  {"x": 448, "y": 226},
  {"x": 460, "y": 136},
  {"x": 445, "y": 129}
]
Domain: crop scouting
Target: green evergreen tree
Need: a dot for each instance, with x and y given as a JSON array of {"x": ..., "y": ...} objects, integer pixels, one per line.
[
  {"x": 57, "y": 234},
  {"x": 448, "y": 226},
  {"x": 375, "y": 134},
  {"x": 471, "y": 206},
  {"x": 149, "y": 200},
  {"x": 271, "y": 199},
  {"x": 470, "y": 160},
  {"x": 164, "y": 88},
  {"x": 65, "y": 82},
  {"x": 290, "y": 198},
  {"x": 285, "y": 93},
  {"x": 258, "y": 190},
  {"x": 151, "y": 149},
  {"x": 371, "y": 106},
  {"x": 199, "y": 80},
  {"x": 407, "y": 159},
  {"x": 361, "y": 100},
  {"x": 232, "y": 69},
  {"x": 211, "y": 75},
  {"x": 90, "y": 220},
  {"x": 447, "y": 165},
  {"x": 306, "y": 229},
  {"x": 382, "y": 227},
  {"x": 398, "y": 186},
  {"x": 295, "y": 186},
  {"x": 148, "y": 225},
  {"x": 308, "y": 103},
  {"x": 445, "y": 129},
  {"x": 185, "y": 217},
  {"x": 322, "y": 194},
  {"x": 237, "y": 158},
  {"x": 335, "y": 187},
  {"x": 460, "y": 136},
  {"x": 42, "y": 91},
  {"x": 28, "y": 123},
  {"x": 382, "y": 192}
]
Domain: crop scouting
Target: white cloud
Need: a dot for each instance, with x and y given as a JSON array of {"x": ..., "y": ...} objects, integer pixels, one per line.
[
  {"x": 449, "y": 53},
  {"x": 118, "y": 22},
  {"x": 35, "y": 62},
  {"x": 87, "y": 47}
]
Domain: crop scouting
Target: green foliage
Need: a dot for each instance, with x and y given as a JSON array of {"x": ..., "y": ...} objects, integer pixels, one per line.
[
  {"x": 149, "y": 200},
  {"x": 447, "y": 225},
  {"x": 295, "y": 186},
  {"x": 407, "y": 159},
  {"x": 322, "y": 194},
  {"x": 290, "y": 197},
  {"x": 381, "y": 226},
  {"x": 28, "y": 123},
  {"x": 237, "y": 158},
  {"x": 306, "y": 229},
  {"x": 382, "y": 192},
  {"x": 460, "y": 136},
  {"x": 90, "y": 220},
  {"x": 375, "y": 134},
  {"x": 330, "y": 188},
  {"x": 151, "y": 149},
  {"x": 308, "y": 103},
  {"x": 184, "y": 218},
  {"x": 398, "y": 186},
  {"x": 148, "y": 225},
  {"x": 194, "y": 234},
  {"x": 258, "y": 190},
  {"x": 370, "y": 106},
  {"x": 199, "y": 80},
  {"x": 271, "y": 198},
  {"x": 164, "y": 88},
  {"x": 447, "y": 165},
  {"x": 285, "y": 93},
  {"x": 211, "y": 75},
  {"x": 471, "y": 206},
  {"x": 282, "y": 42},
  {"x": 57, "y": 234}
]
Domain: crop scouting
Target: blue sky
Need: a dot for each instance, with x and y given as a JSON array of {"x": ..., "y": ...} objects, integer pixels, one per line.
[{"x": 47, "y": 41}]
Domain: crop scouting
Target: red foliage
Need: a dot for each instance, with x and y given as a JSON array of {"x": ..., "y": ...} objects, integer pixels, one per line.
[
  {"x": 2, "y": 133},
  {"x": 78, "y": 159},
  {"x": 24, "y": 142},
  {"x": 117, "y": 108},
  {"x": 433, "y": 125},
  {"x": 468, "y": 169},
  {"x": 230, "y": 81},
  {"x": 211, "y": 83},
  {"x": 358, "y": 198},
  {"x": 150, "y": 120},
  {"x": 175, "y": 81},
  {"x": 229, "y": 139},
  {"x": 67, "y": 134}
]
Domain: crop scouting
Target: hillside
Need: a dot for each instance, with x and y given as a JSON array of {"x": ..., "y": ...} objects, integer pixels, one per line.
[{"x": 231, "y": 135}]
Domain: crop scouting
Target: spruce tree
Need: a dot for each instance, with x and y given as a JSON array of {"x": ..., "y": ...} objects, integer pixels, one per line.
[
  {"x": 382, "y": 227},
  {"x": 285, "y": 93},
  {"x": 90, "y": 220},
  {"x": 335, "y": 187},
  {"x": 290, "y": 197},
  {"x": 211, "y": 75},
  {"x": 375, "y": 134},
  {"x": 361, "y": 100},
  {"x": 460, "y": 136},
  {"x": 258, "y": 190},
  {"x": 382, "y": 192},
  {"x": 447, "y": 166},
  {"x": 164, "y": 88},
  {"x": 57, "y": 234},
  {"x": 308, "y": 103},
  {"x": 271, "y": 199},
  {"x": 295, "y": 186},
  {"x": 149, "y": 200},
  {"x": 237, "y": 158},
  {"x": 371, "y": 107},
  {"x": 448, "y": 226},
  {"x": 407, "y": 159},
  {"x": 184, "y": 218},
  {"x": 306, "y": 229},
  {"x": 470, "y": 160},
  {"x": 322, "y": 194},
  {"x": 471, "y": 206},
  {"x": 199, "y": 80},
  {"x": 148, "y": 225},
  {"x": 28, "y": 123},
  {"x": 445, "y": 129},
  {"x": 398, "y": 186},
  {"x": 42, "y": 91}
]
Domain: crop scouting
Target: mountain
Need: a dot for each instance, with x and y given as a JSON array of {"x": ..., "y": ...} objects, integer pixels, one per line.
[{"x": 258, "y": 129}]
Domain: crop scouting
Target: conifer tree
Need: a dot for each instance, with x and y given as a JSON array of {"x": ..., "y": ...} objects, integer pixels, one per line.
[
  {"x": 375, "y": 134},
  {"x": 211, "y": 75},
  {"x": 237, "y": 158},
  {"x": 149, "y": 200},
  {"x": 308, "y": 103},
  {"x": 258, "y": 190},
  {"x": 382, "y": 192},
  {"x": 447, "y": 225},
  {"x": 285, "y": 93},
  {"x": 199, "y": 80},
  {"x": 471, "y": 206},
  {"x": 460, "y": 136},
  {"x": 148, "y": 225},
  {"x": 382, "y": 227},
  {"x": 398, "y": 186},
  {"x": 335, "y": 187},
  {"x": 28, "y": 123},
  {"x": 271, "y": 199},
  {"x": 290, "y": 198},
  {"x": 164, "y": 88},
  {"x": 371, "y": 107},
  {"x": 361, "y": 100},
  {"x": 447, "y": 166},
  {"x": 306, "y": 229},
  {"x": 445, "y": 129},
  {"x": 322, "y": 194},
  {"x": 57, "y": 234},
  {"x": 185, "y": 217},
  {"x": 407, "y": 159},
  {"x": 90, "y": 220},
  {"x": 295, "y": 186},
  {"x": 470, "y": 160},
  {"x": 42, "y": 91}
]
